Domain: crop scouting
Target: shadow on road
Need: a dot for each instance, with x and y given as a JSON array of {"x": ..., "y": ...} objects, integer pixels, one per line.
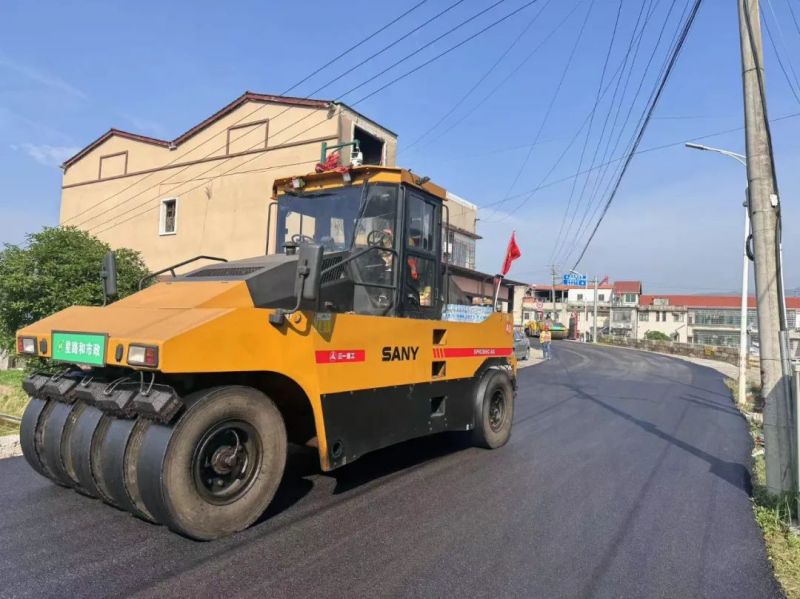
[
  {"x": 397, "y": 458},
  {"x": 302, "y": 466},
  {"x": 731, "y": 472}
]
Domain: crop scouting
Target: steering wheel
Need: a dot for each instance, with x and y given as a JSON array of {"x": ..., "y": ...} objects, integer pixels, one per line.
[
  {"x": 378, "y": 238},
  {"x": 299, "y": 238}
]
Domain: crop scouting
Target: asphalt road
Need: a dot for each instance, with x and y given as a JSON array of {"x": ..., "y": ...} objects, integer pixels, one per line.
[{"x": 625, "y": 477}]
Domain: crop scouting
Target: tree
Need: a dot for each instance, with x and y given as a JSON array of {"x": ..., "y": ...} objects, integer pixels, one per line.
[
  {"x": 57, "y": 268},
  {"x": 656, "y": 336}
]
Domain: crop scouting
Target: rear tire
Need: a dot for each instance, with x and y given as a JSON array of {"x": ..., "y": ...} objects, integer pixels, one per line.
[
  {"x": 217, "y": 469},
  {"x": 494, "y": 411}
]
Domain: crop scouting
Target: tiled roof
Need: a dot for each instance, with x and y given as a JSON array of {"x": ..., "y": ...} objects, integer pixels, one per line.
[
  {"x": 627, "y": 287},
  {"x": 710, "y": 301}
]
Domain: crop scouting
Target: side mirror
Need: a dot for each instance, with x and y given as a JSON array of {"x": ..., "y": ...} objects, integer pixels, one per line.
[
  {"x": 108, "y": 273},
  {"x": 309, "y": 272}
]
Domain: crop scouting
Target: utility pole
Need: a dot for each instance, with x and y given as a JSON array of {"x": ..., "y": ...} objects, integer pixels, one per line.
[
  {"x": 594, "y": 323},
  {"x": 553, "y": 292},
  {"x": 763, "y": 204}
]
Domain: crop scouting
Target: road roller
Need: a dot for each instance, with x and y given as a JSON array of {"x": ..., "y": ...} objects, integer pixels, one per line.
[{"x": 177, "y": 403}]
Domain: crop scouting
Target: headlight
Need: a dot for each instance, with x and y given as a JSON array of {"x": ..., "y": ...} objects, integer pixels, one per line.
[
  {"x": 26, "y": 345},
  {"x": 143, "y": 355}
]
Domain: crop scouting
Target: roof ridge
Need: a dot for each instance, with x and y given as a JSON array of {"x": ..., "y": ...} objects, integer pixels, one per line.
[{"x": 247, "y": 96}]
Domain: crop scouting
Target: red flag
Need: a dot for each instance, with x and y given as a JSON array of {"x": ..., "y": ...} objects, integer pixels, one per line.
[{"x": 512, "y": 253}]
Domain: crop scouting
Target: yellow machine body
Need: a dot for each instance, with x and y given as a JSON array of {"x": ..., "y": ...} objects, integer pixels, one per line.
[{"x": 369, "y": 380}]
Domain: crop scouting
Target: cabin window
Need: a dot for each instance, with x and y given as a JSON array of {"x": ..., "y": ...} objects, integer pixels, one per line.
[{"x": 169, "y": 217}]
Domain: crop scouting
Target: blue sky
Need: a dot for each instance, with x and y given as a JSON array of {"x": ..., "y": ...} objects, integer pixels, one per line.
[{"x": 69, "y": 71}]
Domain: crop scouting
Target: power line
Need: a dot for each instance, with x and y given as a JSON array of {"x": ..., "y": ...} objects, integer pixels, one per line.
[
  {"x": 638, "y": 152},
  {"x": 505, "y": 80},
  {"x": 251, "y": 113},
  {"x": 586, "y": 214},
  {"x": 458, "y": 103},
  {"x": 589, "y": 130},
  {"x": 587, "y": 219},
  {"x": 442, "y": 54},
  {"x": 473, "y": 36},
  {"x": 662, "y": 84},
  {"x": 529, "y": 195},
  {"x": 607, "y": 149},
  {"x": 622, "y": 129},
  {"x": 553, "y": 99},
  {"x": 355, "y": 46},
  {"x": 778, "y": 55}
]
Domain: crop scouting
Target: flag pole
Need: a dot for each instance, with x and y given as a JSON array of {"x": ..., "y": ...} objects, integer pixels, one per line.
[{"x": 499, "y": 281}]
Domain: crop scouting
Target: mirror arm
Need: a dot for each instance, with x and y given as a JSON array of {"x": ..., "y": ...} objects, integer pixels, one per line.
[{"x": 279, "y": 316}]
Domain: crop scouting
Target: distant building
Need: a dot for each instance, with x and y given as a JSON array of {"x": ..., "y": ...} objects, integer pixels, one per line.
[
  {"x": 704, "y": 319},
  {"x": 460, "y": 224},
  {"x": 624, "y": 300}
]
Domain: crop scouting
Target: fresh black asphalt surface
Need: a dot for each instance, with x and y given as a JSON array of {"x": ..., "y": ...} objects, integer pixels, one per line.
[{"x": 626, "y": 476}]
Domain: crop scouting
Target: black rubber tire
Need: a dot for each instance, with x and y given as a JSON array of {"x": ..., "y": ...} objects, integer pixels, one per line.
[
  {"x": 82, "y": 440},
  {"x": 108, "y": 463},
  {"x": 130, "y": 464},
  {"x": 29, "y": 429},
  {"x": 54, "y": 447},
  {"x": 165, "y": 468},
  {"x": 112, "y": 463},
  {"x": 497, "y": 385},
  {"x": 66, "y": 454},
  {"x": 97, "y": 457}
]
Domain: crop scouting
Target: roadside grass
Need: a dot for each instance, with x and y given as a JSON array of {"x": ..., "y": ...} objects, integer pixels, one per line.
[
  {"x": 773, "y": 513},
  {"x": 12, "y": 398}
]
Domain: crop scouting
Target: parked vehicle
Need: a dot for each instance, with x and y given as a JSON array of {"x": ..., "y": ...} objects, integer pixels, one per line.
[
  {"x": 522, "y": 345},
  {"x": 558, "y": 331}
]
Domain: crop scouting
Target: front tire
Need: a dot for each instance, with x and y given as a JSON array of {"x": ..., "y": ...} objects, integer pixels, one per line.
[
  {"x": 217, "y": 469},
  {"x": 494, "y": 411}
]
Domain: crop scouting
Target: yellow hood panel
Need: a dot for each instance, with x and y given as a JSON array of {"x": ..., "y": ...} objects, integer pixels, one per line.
[{"x": 147, "y": 325}]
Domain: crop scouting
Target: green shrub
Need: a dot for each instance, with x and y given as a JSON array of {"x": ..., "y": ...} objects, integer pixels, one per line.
[{"x": 57, "y": 268}]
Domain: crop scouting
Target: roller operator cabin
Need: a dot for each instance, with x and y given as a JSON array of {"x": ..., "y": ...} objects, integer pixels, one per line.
[{"x": 208, "y": 191}]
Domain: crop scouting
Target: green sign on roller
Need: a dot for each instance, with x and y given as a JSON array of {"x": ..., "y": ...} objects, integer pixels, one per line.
[{"x": 80, "y": 348}]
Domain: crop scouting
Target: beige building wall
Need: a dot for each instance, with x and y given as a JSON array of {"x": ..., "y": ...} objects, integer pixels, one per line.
[
  {"x": 221, "y": 178},
  {"x": 670, "y": 326},
  {"x": 463, "y": 214}
]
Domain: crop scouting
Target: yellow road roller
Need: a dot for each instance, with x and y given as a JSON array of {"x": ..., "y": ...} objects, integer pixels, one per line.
[{"x": 177, "y": 403}]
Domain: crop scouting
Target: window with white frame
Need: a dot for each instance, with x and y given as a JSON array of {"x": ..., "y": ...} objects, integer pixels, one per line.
[{"x": 168, "y": 223}]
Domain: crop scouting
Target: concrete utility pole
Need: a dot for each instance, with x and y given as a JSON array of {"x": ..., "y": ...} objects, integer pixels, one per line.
[
  {"x": 764, "y": 218},
  {"x": 553, "y": 292},
  {"x": 594, "y": 324}
]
